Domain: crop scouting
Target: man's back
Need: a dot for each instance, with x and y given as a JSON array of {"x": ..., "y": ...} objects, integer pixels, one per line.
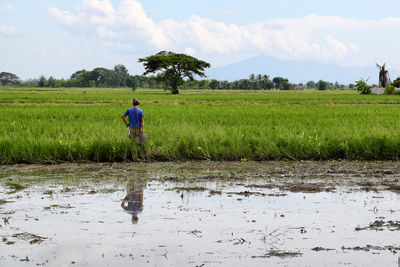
[{"x": 135, "y": 115}]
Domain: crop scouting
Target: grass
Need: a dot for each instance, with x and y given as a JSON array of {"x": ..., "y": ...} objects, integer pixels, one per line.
[
  {"x": 3, "y": 201},
  {"x": 80, "y": 125},
  {"x": 15, "y": 187}
]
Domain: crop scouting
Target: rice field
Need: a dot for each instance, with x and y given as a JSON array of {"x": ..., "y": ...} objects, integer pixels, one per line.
[{"x": 84, "y": 125}]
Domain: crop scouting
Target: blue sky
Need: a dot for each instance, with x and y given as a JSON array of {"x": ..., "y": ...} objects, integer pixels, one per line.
[{"x": 54, "y": 37}]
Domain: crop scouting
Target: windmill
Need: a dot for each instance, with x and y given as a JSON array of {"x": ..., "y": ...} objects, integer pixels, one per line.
[{"x": 384, "y": 78}]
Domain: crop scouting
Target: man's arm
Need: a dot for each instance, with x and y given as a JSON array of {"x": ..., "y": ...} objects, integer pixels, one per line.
[
  {"x": 123, "y": 205},
  {"x": 142, "y": 122},
  {"x": 123, "y": 118}
]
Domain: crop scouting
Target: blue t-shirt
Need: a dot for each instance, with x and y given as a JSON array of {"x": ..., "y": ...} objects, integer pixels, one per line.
[
  {"x": 135, "y": 205},
  {"x": 135, "y": 115}
]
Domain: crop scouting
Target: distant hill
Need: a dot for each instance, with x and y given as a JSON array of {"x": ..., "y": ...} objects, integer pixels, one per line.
[{"x": 295, "y": 71}]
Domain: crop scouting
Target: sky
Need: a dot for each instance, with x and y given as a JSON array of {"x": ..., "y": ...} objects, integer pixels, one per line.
[{"x": 59, "y": 37}]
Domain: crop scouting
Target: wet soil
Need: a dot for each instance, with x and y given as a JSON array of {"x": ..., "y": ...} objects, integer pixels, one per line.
[{"x": 201, "y": 214}]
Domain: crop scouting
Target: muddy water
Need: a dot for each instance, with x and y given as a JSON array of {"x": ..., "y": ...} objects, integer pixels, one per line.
[{"x": 200, "y": 214}]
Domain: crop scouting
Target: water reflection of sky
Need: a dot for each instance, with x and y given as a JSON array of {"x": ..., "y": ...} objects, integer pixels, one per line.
[{"x": 197, "y": 228}]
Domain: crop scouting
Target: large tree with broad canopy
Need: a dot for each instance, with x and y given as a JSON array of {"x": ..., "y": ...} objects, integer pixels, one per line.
[
  {"x": 7, "y": 78},
  {"x": 172, "y": 68}
]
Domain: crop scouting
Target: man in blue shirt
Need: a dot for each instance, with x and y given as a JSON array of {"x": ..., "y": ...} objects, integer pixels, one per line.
[
  {"x": 133, "y": 202},
  {"x": 136, "y": 120}
]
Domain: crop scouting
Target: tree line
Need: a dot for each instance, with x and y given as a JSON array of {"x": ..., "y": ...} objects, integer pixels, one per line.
[{"x": 119, "y": 77}]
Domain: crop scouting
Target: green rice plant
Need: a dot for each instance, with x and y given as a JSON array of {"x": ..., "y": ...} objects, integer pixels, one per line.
[{"x": 66, "y": 125}]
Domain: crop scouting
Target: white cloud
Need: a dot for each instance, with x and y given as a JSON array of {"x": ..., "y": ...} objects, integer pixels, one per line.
[
  {"x": 311, "y": 37},
  {"x": 336, "y": 47},
  {"x": 133, "y": 16},
  {"x": 8, "y": 30},
  {"x": 64, "y": 17},
  {"x": 105, "y": 33},
  {"x": 97, "y": 12},
  {"x": 129, "y": 19},
  {"x": 190, "y": 51},
  {"x": 205, "y": 34}
]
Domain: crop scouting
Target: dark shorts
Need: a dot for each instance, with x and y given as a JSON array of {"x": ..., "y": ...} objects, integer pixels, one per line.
[{"x": 134, "y": 133}]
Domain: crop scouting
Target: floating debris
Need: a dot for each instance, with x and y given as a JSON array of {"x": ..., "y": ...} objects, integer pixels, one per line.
[
  {"x": 322, "y": 249},
  {"x": 370, "y": 247},
  {"x": 188, "y": 189},
  {"x": 32, "y": 238},
  {"x": 280, "y": 254},
  {"x": 380, "y": 225}
]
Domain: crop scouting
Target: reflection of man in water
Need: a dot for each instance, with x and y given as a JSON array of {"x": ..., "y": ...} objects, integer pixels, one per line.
[{"x": 133, "y": 202}]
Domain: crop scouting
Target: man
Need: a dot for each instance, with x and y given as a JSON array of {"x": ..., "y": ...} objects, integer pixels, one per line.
[
  {"x": 133, "y": 201},
  {"x": 136, "y": 121}
]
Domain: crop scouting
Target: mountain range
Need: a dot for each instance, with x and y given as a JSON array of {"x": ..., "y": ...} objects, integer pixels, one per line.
[{"x": 296, "y": 71}]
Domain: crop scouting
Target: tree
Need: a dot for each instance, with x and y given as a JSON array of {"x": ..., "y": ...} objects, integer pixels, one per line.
[
  {"x": 203, "y": 84},
  {"x": 279, "y": 82},
  {"x": 51, "y": 82},
  {"x": 132, "y": 82},
  {"x": 171, "y": 68},
  {"x": 311, "y": 84},
  {"x": 224, "y": 85},
  {"x": 253, "y": 82},
  {"x": 396, "y": 82},
  {"x": 75, "y": 75},
  {"x": 7, "y": 78},
  {"x": 214, "y": 84},
  {"x": 286, "y": 86},
  {"x": 337, "y": 85},
  {"x": 103, "y": 77},
  {"x": 84, "y": 78},
  {"x": 322, "y": 85},
  {"x": 265, "y": 83},
  {"x": 151, "y": 81},
  {"x": 120, "y": 75},
  {"x": 259, "y": 79},
  {"x": 245, "y": 84},
  {"x": 42, "y": 81},
  {"x": 269, "y": 85},
  {"x": 31, "y": 83}
]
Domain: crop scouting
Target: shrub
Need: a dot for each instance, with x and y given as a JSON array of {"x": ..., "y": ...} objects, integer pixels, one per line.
[
  {"x": 389, "y": 89},
  {"x": 363, "y": 87}
]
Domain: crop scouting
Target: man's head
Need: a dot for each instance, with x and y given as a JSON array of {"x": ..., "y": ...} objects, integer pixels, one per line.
[
  {"x": 135, "y": 219},
  {"x": 136, "y": 102}
]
